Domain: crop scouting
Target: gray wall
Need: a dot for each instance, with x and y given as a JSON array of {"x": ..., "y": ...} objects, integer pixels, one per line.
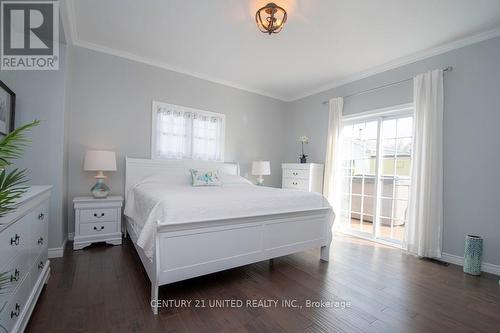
[
  {"x": 471, "y": 135},
  {"x": 41, "y": 95},
  {"x": 110, "y": 108}
]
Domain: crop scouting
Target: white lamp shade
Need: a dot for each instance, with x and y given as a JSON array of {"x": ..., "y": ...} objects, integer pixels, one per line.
[
  {"x": 261, "y": 168},
  {"x": 99, "y": 160}
]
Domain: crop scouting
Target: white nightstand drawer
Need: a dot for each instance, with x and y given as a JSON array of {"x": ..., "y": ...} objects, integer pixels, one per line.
[
  {"x": 97, "y": 220},
  {"x": 91, "y": 229},
  {"x": 98, "y": 215},
  {"x": 303, "y": 176},
  {"x": 296, "y": 173},
  {"x": 298, "y": 184}
]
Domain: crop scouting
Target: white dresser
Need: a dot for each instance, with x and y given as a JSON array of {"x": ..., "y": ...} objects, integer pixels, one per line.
[
  {"x": 24, "y": 266},
  {"x": 303, "y": 176},
  {"x": 97, "y": 220}
]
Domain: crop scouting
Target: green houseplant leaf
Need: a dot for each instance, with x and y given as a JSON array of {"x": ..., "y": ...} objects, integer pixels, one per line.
[
  {"x": 11, "y": 188},
  {"x": 12, "y": 183},
  {"x": 13, "y": 144},
  {"x": 4, "y": 281}
]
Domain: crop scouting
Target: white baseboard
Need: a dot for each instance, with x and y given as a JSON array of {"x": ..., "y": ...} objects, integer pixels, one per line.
[
  {"x": 57, "y": 252},
  {"x": 457, "y": 260},
  {"x": 71, "y": 236}
]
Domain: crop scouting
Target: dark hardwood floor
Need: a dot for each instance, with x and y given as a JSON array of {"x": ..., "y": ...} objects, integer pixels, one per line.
[{"x": 105, "y": 289}]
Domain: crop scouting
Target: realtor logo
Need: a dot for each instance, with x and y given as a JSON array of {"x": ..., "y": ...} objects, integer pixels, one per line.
[{"x": 29, "y": 35}]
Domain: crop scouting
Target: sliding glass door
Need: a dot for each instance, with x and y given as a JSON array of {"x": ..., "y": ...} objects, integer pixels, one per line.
[{"x": 376, "y": 156}]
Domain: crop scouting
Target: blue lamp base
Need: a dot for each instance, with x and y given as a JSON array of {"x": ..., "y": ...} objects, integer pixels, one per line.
[{"x": 100, "y": 190}]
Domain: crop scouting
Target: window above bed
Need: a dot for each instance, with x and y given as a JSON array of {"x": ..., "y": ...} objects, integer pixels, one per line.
[{"x": 180, "y": 132}]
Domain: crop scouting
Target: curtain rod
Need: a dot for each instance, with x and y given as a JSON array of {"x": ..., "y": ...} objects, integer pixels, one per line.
[{"x": 447, "y": 69}]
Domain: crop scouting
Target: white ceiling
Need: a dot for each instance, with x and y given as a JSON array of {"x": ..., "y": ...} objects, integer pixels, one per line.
[{"x": 324, "y": 41}]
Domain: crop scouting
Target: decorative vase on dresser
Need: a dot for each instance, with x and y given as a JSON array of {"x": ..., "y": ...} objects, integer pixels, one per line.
[
  {"x": 303, "y": 176},
  {"x": 97, "y": 220},
  {"x": 24, "y": 267}
]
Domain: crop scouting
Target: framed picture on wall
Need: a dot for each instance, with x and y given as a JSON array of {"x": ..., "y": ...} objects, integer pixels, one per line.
[{"x": 7, "y": 109}]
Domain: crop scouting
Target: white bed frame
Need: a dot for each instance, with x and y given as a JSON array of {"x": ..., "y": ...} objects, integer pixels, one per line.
[{"x": 188, "y": 250}]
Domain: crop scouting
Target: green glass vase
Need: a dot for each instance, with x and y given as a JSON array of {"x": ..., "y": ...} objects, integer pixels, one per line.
[{"x": 473, "y": 254}]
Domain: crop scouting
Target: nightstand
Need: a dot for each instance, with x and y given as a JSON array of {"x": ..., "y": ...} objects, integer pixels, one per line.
[
  {"x": 97, "y": 220},
  {"x": 305, "y": 177}
]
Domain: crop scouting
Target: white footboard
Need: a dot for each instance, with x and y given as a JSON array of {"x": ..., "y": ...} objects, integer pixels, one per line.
[{"x": 189, "y": 250}]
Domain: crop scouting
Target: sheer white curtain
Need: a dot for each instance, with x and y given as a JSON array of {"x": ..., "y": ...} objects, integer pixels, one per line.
[
  {"x": 425, "y": 210},
  {"x": 332, "y": 182},
  {"x": 173, "y": 134},
  {"x": 207, "y": 133},
  {"x": 183, "y": 133}
]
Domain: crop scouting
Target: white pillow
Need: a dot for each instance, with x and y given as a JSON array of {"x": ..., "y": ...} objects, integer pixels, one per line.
[
  {"x": 170, "y": 178},
  {"x": 205, "y": 178}
]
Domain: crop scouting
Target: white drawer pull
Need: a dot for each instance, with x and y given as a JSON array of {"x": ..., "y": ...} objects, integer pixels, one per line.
[
  {"x": 98, "y": 216},
  {"x": 40, "y": 241},
  {"x": 99, "y": 229},
  {"x": 41, "y": 216},
  {"x": 15, "y": 312},
  {"x": 15, "y": 240},
  {"x": 15, "y": 276}
]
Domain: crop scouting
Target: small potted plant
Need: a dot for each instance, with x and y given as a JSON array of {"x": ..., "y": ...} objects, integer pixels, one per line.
[{"x": 303, "y": 140}]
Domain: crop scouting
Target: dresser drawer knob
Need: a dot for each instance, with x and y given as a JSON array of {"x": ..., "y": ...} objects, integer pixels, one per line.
[
  {"x": 40, "y": 241},
  {"x": 40, "y": 265},
  {"x": 15, "y": 240},
  {"x": 15, "y": 312},
  {"x": 99, "y": 229},
  {"x": 98, "y": 215},
  {"x": 15, "y": 276},
  {"x": 41, "y": 216}
]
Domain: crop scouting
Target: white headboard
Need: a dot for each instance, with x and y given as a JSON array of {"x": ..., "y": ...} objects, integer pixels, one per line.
[{"x": 137, "y": 169}]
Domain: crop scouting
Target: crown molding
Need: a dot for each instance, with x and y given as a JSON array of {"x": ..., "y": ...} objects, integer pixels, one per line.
[
  {"x": 69, "y": 22},
  {"x": 151, "y": 62},
  {"x": 67, "y": 12},
  {"x": 403, "y": 61}
]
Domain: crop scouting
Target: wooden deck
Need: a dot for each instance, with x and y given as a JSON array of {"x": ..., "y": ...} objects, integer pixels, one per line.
[{"x": 397, "y": 232}]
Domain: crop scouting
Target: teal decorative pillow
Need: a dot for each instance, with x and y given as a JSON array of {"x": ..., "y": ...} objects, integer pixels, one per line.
[{"x": 204, "y": 178}]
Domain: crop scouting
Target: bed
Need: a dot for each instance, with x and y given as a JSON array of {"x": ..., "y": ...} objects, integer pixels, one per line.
[{"x": 181, "y": 231}]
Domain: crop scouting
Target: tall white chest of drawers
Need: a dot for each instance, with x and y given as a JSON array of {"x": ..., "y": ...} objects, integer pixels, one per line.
[
  {"x": 303, "y": 176},
  {"x": 24, "y": 266}
]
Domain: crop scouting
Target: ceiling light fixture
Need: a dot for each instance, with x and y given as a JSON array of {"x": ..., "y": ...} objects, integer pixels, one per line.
[{"x": 271, "y": 18}]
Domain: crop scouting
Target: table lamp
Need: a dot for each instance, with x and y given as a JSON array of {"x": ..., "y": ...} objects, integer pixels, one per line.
[
  {"x": 100, "y": 160},
  {"x": 260, "y": 169}
]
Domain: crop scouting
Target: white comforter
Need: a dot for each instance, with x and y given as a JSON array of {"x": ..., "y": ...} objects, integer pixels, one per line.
[{"x": 152, "y": 203}]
